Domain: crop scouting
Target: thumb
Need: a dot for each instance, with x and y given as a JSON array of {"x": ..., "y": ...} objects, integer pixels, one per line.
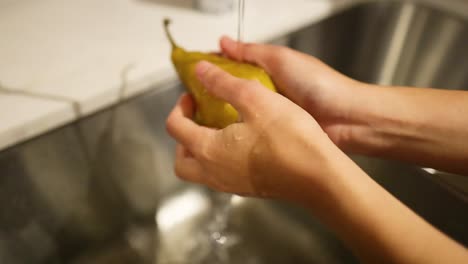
[{"x": 240, "y": 93}]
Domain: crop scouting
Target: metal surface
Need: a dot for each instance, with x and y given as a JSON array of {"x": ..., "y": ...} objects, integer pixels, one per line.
[
  {"x": 396, "y": 43},
  {"x": 102, "y": 190},
  {"x": 393, "y": 43}
]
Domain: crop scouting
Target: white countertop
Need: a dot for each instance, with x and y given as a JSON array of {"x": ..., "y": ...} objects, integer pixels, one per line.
[
  {"x": 57, "y": 54},
  {"x": 66, "y": 59}
]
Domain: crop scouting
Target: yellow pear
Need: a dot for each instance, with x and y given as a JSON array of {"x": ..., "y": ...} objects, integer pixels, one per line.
[{"x": 211, "y": 111}]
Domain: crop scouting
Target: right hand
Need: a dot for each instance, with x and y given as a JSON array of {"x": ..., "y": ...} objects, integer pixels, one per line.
[
  {"x": 280, "y": 154},
  {"x": 323, "y": 92}
]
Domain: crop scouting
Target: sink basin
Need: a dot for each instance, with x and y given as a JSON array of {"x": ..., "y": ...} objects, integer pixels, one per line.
[{"x": 102, "y": 190}]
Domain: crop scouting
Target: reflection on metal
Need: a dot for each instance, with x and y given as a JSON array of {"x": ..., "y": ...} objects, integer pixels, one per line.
[
  {"x": 429, "y": 170},
  {"x": 456, "y": 184},
  {"x": 440, "y": 46},
  {"x": 393, "y": 43},
  {"x": 91, "y": 197},
  {"x": 396, "y": 45},
  {"x": 173, "y": 212},
  {"x": 237, "y": 200}
]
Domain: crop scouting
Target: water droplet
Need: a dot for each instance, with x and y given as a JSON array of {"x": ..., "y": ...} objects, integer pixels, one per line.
[{"x": 219, "y": 238}]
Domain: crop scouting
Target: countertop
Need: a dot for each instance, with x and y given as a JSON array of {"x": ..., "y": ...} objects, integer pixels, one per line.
[{"x": 61, "y": 60}]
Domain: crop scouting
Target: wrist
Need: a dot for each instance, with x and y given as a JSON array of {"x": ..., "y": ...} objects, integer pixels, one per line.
[
  {"x": 368, "y": 122},
  {"x": 322, "y": 180}
]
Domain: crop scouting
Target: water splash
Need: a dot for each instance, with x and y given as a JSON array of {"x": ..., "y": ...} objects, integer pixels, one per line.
[{"x": 213, "y": 243}]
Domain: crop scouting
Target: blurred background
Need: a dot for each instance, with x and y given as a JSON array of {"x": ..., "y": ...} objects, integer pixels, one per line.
[{"x": 86, "y": 166}]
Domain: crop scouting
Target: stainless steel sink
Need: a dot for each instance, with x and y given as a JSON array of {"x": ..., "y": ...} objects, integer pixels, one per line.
[{"x": 102, "y": 190}]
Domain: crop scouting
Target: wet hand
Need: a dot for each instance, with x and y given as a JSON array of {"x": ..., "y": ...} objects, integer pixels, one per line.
[{"x": 275, "y": 149}]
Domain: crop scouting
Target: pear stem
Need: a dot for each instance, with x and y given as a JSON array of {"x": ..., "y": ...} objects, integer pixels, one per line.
[{"x": 167, "y": 22}]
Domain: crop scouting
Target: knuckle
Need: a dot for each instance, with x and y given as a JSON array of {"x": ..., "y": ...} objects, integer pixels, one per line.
[
  {"x": 248, "y": 93},
  {"x": 196, "y": 143},
  {"x": 203, "y": 152},
  {"x": 244, "y": 94},
  {"x": 217, "y": 81},
  {"x": 213, "y": 77}
]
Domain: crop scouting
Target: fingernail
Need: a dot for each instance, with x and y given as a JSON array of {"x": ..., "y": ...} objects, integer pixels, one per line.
[
  {"x": 202, "y": 67},
  {"x": 228, "y": 42}
]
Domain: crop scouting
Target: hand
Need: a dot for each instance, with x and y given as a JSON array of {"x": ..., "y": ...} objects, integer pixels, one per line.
[
  {"x": 274, "y": 152},
  {"x": 323, "y": 92},
  {"x": 397, "y": 123},
  {"x": 280, "y": 151}
]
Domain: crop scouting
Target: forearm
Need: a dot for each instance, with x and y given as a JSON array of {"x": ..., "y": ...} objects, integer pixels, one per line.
[
  {"x": 376, "y": 226},
  {"x": 424, "y": 126}
]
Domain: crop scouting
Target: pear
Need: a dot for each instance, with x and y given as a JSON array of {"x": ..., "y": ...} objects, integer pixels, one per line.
[{"x": 212, "y": 111}]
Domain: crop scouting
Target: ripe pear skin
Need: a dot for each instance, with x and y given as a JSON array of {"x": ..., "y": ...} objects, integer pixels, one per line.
[{"x": 211, "y": 111}]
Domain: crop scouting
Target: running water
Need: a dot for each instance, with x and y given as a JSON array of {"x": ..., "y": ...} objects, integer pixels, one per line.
[
  {"x": 240, "y": 26},
  {"x": 215, "y": 241}
]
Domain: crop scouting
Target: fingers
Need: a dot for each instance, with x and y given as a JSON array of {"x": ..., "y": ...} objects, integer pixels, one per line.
[
  {"x": 187, "y": 167},
  {"x": 190, "y": 169},
  {"x": 258, "y": 54},
  {"x": 181, "y": 127},
  {"x": 240, "y": 93}
]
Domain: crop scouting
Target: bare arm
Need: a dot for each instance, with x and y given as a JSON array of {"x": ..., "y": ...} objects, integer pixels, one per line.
[
  {"x": 378, "y": 227},
  {"x": 424, "y": 126},
  {"x": 249, "y": 158}
]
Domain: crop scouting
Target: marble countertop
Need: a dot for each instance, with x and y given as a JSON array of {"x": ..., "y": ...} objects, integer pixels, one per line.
[{"x": 61, "y": 60}]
